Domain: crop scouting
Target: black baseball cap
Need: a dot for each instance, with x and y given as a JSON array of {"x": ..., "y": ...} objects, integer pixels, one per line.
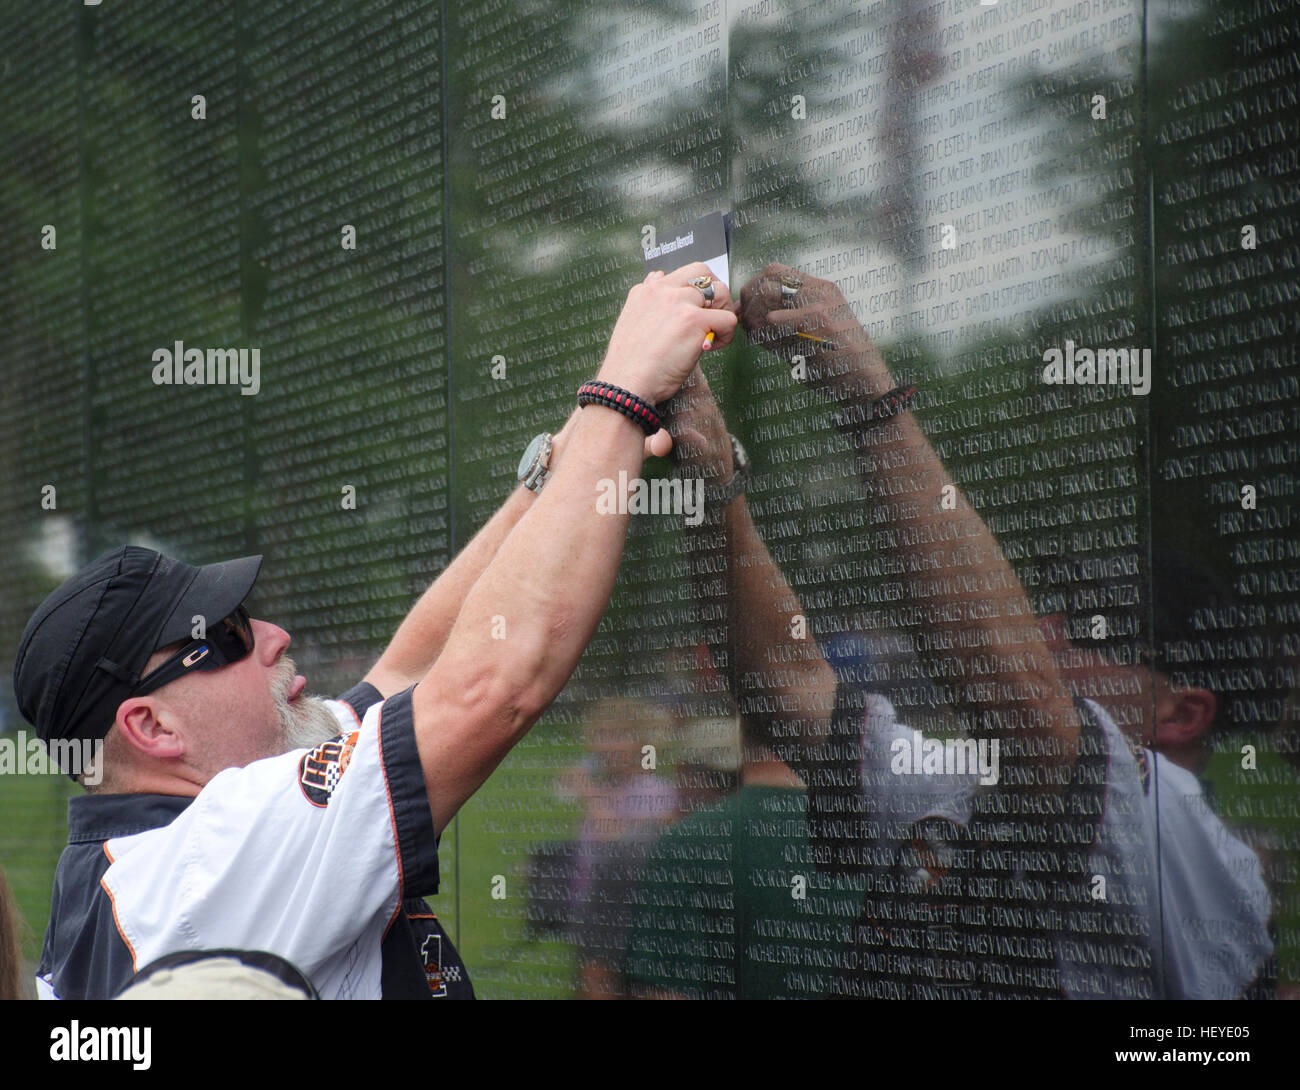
[{"x": 87, "y": 644}]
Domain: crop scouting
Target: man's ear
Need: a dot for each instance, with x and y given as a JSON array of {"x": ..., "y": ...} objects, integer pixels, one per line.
[
  {"x": 1188, "y": 718},
  {"x": 143, "y": 728}
]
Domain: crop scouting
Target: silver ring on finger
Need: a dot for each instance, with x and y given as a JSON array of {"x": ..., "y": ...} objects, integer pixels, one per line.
[
  {"x": 790, "y": 286},
  {"x": 705, "y": 284}
]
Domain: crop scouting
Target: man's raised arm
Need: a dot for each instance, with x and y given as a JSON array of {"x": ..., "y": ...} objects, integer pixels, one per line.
[
  {"x": 420, "y": 637},
  {"x": 527, "y": 618}
]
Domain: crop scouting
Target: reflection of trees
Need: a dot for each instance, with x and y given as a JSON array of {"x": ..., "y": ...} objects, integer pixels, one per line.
[
  {"x": 541, "y": 242},
  {"x": 969, "y": 389},
  {"x": 1123, "y": 302},
  {"x": 767, "y": 64}
]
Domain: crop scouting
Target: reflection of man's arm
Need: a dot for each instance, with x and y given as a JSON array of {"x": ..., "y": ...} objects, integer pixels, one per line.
[
  {"x": 774, "y": 675},
  {"x": 965, "y": 594}
]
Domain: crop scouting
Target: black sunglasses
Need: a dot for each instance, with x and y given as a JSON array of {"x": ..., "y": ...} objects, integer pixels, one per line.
[{"x": 229, "y": 640}]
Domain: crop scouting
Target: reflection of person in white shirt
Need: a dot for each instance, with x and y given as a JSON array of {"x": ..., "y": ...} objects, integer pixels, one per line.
[
  {"x": 1052, "y": 873},
  {"x": 1214, "y": 904},
  {"x": 1207, "y": 940}
]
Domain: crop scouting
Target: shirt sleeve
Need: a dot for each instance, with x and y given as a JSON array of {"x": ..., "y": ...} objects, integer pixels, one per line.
[
  {"x": 859, "y": 806},
  {"x": 907, "y": 792},
  {"x": 307, "y": 855},
  {"x": 1179, "y": 887},
  {"x": 361, "y": 698}
]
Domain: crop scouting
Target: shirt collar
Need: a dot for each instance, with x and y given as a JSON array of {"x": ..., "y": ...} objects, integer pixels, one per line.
[{"x": 92, "y": 818}]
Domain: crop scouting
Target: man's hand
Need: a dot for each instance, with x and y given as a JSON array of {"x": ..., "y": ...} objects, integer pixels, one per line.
[
  {"x": 816, "y": 323},
  {"x": 660, "y": 333}
]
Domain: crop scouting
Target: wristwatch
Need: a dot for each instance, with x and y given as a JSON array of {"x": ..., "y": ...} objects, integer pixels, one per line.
[
  {"x": 722, "y": 494},
  {"x": 535, "y": 465},
  {"x": 719, "y": 495}
]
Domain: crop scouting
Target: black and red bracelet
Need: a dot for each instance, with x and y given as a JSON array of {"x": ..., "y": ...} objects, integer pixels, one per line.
[
  {"x": 623, "y": 401},
  {"x": 892, "y": 403}
]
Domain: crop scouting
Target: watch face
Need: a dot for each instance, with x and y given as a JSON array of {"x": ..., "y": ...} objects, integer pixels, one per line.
[{"x": 530, "y": 456}]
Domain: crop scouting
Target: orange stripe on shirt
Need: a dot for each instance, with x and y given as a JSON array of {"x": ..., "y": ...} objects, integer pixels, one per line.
[{"x": 116, "y": 920}]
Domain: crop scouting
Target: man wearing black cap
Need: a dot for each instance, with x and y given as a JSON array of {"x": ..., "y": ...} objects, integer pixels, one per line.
[
  {"x": 210, "y": 829},
  {"x": 85, "y": 652}
]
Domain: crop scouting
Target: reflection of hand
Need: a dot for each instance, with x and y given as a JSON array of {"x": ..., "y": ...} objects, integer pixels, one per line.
[
  {"x": 699, "y": 432},
  {"x": 839, "y": 358},
  {"x": 660, "y": 333}
]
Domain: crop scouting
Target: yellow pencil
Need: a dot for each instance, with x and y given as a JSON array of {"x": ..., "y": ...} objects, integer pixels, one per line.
[{"x": 827, "y": 344}]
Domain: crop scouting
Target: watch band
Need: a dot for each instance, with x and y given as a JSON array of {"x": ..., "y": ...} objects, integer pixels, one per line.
[
  {"x": 719, "y": 495},
  {"x": 535, "y": 471}
]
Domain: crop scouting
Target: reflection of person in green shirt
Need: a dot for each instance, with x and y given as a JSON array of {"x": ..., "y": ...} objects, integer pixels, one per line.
[{"x": 730, "y": 905}]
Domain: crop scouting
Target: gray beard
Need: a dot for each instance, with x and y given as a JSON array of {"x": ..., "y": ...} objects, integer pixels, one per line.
[{"x": 305, "y": 723}]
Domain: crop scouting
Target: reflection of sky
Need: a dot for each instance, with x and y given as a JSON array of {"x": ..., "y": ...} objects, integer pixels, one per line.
[
  {"x": 978, "y": 164},
  {"x": 53, "y": 549},
  {"x": 977, "y": 167},
  {"x": 646, "y": 64},
  {"x": 640, "y": 63}
]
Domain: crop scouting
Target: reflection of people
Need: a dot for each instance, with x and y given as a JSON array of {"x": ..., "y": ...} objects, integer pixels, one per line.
[
  {"x": 620, "y": 798},
  {"x": 212, "y": 830},
  {"x": 949, "y": 849},
  {"x": 731, "y": 905},
  {"x": 11, "y": 952},
  {"x": 624, "y": 807},
  {"x": 1157, "y": 726}
]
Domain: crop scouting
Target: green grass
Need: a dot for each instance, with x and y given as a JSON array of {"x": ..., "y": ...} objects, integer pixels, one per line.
[{"x": 33, "y": 831}]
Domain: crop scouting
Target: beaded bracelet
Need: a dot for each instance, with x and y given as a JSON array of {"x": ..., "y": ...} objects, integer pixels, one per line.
[
  {"x": 892, "y": 403},
  {"x": 623, "y": 401}
]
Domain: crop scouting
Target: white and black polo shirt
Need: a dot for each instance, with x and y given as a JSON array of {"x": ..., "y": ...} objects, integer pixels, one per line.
[{"x": 320, "y": 857}]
